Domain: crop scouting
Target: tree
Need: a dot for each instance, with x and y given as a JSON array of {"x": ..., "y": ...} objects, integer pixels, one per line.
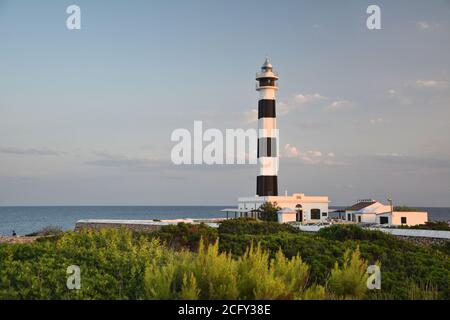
[
  {"x": 405, "y": 209},
  {"x": 268, "y": 211}
]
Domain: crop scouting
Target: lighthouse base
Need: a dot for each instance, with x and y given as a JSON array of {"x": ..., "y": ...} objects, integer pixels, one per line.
[{"x": 267, "y": 186}]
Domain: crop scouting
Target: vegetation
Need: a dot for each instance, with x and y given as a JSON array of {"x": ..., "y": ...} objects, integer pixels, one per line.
[
  {"x": 253, "y": 226},
  {"x": 119, "y": 264},
  {"x": 187, "y": 236},
  {"x": 47, "y": 231},
  {"x": 244, "y": 259},
  {"x": 268, "y": 211},
  {"x": 406, "y": 209},
  {"x": 430, "y": 225},
  {"x": 403, "y": 264}
]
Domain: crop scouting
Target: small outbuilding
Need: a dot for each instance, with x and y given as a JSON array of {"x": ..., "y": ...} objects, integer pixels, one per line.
[{"x": 374, "y": 212}]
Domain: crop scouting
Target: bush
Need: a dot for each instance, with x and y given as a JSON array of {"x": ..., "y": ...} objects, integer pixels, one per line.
[
  {"x": 406, "y": 209},
  {"x": 402, "y": 262},
  {"x": 351, "y": 232},
  {"x": 430, "y": 225},
  {"x": 349, "y": 280},
  {"x": 47, "y": 231},
  {"x": 186, "y": 236},
  {"x": 268, "y": 211},
  {"x": 120, "y": 264},
  {"x": 210, "y": 274},
  {"x": 253, "y": 226},
  {"x": 112, "y": 264}
]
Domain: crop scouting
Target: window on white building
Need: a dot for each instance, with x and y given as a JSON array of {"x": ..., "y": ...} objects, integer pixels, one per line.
[{"x": 315, "y": 214}]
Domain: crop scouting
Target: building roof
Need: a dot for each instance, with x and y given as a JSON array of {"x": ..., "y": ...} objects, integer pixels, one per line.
[
  {"x": 360, "y": 205},
  {"x": 376, "y": 208},
  {"x": 267, "y": 63},
  {"x": 237, "y": 210}
]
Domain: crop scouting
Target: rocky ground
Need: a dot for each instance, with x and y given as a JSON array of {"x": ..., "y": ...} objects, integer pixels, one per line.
[{"x": 13, "y": 240}]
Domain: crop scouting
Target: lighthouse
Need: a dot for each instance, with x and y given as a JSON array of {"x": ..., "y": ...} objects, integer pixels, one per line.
[
  {"x": 296, "y": 208},
  {"x": 267, "y": 180}
]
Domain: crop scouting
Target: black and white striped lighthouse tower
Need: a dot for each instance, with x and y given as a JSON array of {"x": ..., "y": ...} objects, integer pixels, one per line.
[{"x": 267, "y": 180}]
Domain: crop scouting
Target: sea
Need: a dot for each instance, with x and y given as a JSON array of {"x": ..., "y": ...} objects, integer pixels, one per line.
[{"x": 26, "y": 220}]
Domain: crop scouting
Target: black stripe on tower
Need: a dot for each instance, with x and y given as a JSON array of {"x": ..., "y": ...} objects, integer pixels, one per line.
[
  {"x": 267, "y": 147},
  {"x": 266, "y": 109},
  {"x": 267, "y": 186}
]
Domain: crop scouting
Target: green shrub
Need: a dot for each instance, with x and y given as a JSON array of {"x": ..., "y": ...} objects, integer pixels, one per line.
[
  {"x": 405, "y": 209},
  {"x": 215, "y": 273},
  {"x": 315, "y": 292},
  {"x": 349, "y": 281},
  {"x": 189, "y": 290},
  {"x": 253, "y": 226},
  {"x": 186, "y": 236},
  {"x": 47, "y": 231},
  {"x": 120, "y": 264},
  {"x": 210, "y": 274},
  {"x": 422, "y": 292},
  {"x": 112, "y": 264},
  {"x": 430, "y": 225},
  {"x": 351, "y": 232},
  {"x": 402, "y": 261},
  {"x": 268, "y": 211}
]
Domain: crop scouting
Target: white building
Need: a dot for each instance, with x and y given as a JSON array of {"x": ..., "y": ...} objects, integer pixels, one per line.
[
  {"x": 298, "y": 207},
  {"x": 398, "y": 218},
  {"x": 372, "y": 211}
]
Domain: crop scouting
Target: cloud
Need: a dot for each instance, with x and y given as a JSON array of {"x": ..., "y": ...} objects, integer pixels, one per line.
[
  {"x": 423, "y": 25},
  {"x": 400, "y": 161},
  {"x": 376, "y": 121},
  {"x": 291, "y": 151},
  {"x": 314, "y": 153},
  {"x": 399, "y": 97},
  {"x": 412, "y": 161},
  {"x": 251, "y": 116},
  {"x": 30, "y": 151},
  {"x": 301, "y": 100},
  {"x": 310, "y": 157},
  {"x": 308, "y": 98},
  {"x": 114, "y": 160},
  {"x": 284, "y": 108},
  {"x": 297, "y": 101},
  {"x": 431, "y": 84},
  {"x": 339, "y": 105}
]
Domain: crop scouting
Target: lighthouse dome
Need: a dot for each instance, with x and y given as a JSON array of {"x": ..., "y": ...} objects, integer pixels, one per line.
[{"x": 267, "y": 65}]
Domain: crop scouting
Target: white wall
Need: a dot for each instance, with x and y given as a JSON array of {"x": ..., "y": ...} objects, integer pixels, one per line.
[
  {"x": 438, "y": 234},
  {"x": 287, "y": 217},
  {"x": 368, "y": 218},
  {"x": 412, "y": 218}
]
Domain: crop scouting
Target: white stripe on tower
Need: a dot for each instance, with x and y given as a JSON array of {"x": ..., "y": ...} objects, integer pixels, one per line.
[{"x": 267, "y": 180}]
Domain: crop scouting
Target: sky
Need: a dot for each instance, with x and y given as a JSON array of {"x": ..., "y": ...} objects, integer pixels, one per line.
[{"x": 86, "y": 115}]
